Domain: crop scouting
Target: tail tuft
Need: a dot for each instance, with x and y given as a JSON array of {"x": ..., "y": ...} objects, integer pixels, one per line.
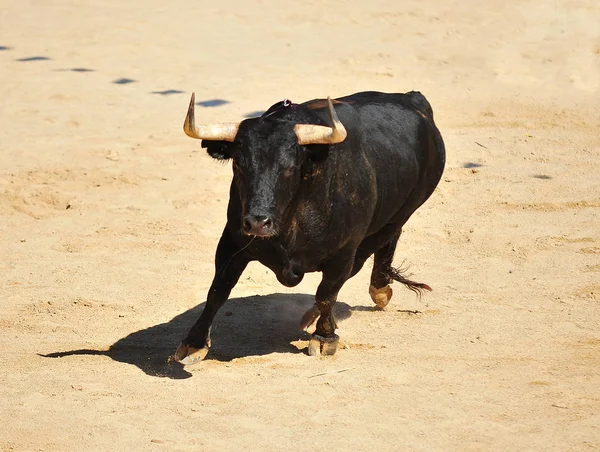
[{"x": 396, "y": 273}]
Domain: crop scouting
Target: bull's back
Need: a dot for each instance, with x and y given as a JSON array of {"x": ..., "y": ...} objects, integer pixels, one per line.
[{"x": 394, "y": 137}]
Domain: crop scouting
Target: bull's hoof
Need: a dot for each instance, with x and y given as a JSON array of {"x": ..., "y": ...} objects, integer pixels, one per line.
[
  {"x": 381, "y": 297},
  {"x": 309, "y": 317},
  {"x": 187, "y": 355},
  {"x": 323, "y": 346}
]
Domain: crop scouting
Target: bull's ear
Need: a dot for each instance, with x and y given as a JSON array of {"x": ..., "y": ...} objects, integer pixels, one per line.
[{"x": 220, "y": 150}]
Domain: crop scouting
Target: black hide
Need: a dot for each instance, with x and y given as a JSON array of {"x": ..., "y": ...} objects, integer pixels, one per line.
[{"x": 323, "y": 207}]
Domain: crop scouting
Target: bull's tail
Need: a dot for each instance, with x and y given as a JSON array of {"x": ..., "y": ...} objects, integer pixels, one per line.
[{"x": 396, "y": 273}]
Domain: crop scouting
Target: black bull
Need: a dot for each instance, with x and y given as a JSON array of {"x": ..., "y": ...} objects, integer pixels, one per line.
[{"x": 323, "y": 201}]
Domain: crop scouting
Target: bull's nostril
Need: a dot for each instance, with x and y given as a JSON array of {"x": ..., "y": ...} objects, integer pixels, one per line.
[{"x": 259, "y": 225}]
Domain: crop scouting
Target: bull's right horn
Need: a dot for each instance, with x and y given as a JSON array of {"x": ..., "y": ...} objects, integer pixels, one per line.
[
  {"x": 314, "y": 134},
  {"x": 216, "y": 132}
]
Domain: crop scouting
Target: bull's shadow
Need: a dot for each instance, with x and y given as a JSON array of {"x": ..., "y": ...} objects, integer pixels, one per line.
[{"x": 249, "y": 326}]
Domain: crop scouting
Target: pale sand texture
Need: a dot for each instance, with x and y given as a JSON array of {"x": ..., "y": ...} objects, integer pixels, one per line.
[{"x": 504, "y": 354}]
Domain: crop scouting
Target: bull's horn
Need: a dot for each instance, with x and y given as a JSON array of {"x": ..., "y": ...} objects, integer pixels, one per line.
[
  {"x": 216, "y": 132},
  {"x": 313, "y": 134}
]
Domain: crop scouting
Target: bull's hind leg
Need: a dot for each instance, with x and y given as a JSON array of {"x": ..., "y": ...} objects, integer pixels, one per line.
[
  {"x": 384, "y": 274},
  {"x": 230, "y": 262},
  {"x": 379, "y": 289}
]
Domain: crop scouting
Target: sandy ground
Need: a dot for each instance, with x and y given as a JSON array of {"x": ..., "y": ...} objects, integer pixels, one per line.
[{"x": 110, "y": 215}]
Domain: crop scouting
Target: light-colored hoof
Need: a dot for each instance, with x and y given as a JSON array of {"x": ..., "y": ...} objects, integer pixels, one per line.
[
  {"x": 323, "y": 346},
  {"x": 381, "y": 297},
  {"x": 188, "y": 355},
  {"x": 309, "y": 317}
]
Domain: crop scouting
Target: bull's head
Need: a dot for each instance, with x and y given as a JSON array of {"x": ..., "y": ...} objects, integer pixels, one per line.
[{"x": 267, "y": 160}]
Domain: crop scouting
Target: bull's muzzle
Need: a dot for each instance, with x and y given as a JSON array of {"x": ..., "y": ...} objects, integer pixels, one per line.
[{"x": 258, "y": 225}]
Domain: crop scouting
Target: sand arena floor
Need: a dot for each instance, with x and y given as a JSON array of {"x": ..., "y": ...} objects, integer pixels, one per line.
[{"x": 110, "y": 215}]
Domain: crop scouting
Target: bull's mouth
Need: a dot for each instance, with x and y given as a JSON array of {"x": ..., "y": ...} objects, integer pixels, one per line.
[{"x": 260, "y": 234}]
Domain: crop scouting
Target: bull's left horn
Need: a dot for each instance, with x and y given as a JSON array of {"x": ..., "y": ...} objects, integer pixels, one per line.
[
  {"x": 313, "y": 134},
  {"x": 216, "y": 132}
]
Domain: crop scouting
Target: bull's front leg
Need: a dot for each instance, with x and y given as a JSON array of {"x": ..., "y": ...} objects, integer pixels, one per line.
[
  {"x": 230, "y": 262},
  {"x": 324, "y": 340}
]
